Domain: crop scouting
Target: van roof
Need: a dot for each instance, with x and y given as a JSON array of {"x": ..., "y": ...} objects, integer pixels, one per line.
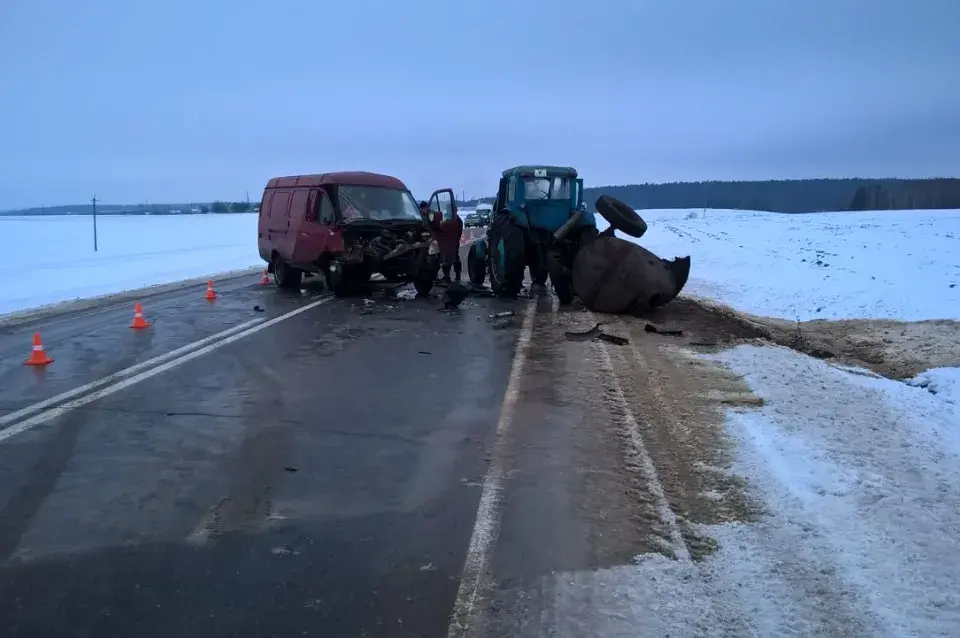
[{"x": 352, "y": 178}]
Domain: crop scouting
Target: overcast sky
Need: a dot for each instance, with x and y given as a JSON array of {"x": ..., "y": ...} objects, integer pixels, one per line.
[{"x": 182, "y": 100}]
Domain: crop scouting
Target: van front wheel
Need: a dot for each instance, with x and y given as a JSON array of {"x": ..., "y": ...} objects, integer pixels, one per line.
[{"x": 286, "y": 276}]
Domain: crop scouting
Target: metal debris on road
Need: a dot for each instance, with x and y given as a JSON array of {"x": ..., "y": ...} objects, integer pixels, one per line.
[
  {"x": 662, "y": 331},
  {"x": 614, "y": 339},
  {"x": 595, "y": 333},
  {"x": 501, "y": 315}
]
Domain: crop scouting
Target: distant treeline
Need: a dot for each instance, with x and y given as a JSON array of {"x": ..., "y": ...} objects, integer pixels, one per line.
[
  {"x": 785, "y": 196},
  {"x": 139, "y": 209}
]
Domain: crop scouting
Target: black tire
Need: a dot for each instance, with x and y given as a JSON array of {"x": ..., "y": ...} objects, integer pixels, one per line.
[
  {"x": 506, "y": 279},
  {"x": 560, "y": 277},
  {"x": 620, "y": 216},
  {"x": 286, "y": 276},
  {"x": 424, "y": 282},
  {"x": 476, "y": 266},
  {"x": 336, "y": 280},
  {"x": 426, "y": 275}
]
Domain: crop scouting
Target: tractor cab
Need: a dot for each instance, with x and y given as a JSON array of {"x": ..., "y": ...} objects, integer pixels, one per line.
[{"x": 541, "y": 197}]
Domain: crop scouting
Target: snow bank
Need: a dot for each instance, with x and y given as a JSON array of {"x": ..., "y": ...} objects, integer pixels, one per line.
[
  {"x": 942, "y": 382},
  {"x": 858, "y": 476},
  {"x": 51, "y": 259},
  {"x": 860, "y": 481},
  {"x": 876, "y": 265}
]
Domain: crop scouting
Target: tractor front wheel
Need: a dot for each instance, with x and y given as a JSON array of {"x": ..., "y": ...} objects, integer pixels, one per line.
[
  {"x": 507, "y": 257},
  {"x": 477, "y": 263}
]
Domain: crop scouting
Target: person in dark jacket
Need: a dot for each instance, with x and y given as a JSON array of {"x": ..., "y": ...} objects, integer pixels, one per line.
[
  {"x": 448, "y": 233},
  {"x": 451, "y": 230}
]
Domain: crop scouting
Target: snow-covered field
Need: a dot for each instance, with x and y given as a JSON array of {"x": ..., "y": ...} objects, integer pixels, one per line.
[
  {"x": 46, "y": 260},
  {"x": 876, "y": 265},
  {"x": 858, "y": 476}
]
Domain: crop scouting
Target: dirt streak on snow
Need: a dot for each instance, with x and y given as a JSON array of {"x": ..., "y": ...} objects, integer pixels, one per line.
[{"x": 861, "y": 481}]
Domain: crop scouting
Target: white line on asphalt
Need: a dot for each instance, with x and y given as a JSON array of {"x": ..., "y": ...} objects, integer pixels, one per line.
[
  {"x": 182, "y": 355},
  {"x": 486, "y": 528},
  {"x": 116, "y": 376}
]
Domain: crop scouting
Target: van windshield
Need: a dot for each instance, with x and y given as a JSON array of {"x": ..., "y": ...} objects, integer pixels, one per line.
[{"x": 377, "y": 203}]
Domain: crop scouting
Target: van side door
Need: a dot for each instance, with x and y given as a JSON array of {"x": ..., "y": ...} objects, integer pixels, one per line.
[
  {"x": 278, "y": 217},
  {"x": 296, "y": 218},
  {"x": 325, "y": 217},
  {"x": 444, "y": 202}
]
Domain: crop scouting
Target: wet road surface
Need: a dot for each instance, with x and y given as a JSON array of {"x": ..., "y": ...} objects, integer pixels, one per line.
[
  {"x": 315, "y": 477},
  {"x": 325, "y": 467}
]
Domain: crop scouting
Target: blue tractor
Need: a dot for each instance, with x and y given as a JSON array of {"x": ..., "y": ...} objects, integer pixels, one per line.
[{"x": 539, "y": 221}]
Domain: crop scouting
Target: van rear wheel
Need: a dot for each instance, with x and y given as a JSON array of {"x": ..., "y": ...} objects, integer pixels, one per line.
[{"x": 286, "y": 276}]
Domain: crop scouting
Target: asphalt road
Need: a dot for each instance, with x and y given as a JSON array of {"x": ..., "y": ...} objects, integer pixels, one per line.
[
  {"x": 319, "y": 476},
  {"x": 283, "y": 464}
]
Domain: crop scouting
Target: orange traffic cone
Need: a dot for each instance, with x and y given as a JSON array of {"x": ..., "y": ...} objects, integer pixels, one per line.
[
  {"x": 38, "y": 356},
  {"x": 211, "y": 293},
  {"x": 265, "y": 280},
  {"x": 139, "y": 323}
]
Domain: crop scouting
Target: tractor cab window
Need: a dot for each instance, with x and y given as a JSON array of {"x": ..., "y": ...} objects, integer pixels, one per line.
[{"x": 557, "y": 188}]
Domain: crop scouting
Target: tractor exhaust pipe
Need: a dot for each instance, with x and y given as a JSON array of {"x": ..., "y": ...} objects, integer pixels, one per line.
[{"x": 564, "y": 230}]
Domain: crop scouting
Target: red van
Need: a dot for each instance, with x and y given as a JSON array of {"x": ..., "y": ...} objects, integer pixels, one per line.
[{"x": 347, "y": 226}]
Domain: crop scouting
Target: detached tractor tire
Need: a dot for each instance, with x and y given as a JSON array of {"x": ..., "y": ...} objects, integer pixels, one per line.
[
  {"x": 507, "y": 258},
  {"x": 286, "y": 276},
  {"x": 621, "y": 217},
  {"x": 477, "y": 263}
]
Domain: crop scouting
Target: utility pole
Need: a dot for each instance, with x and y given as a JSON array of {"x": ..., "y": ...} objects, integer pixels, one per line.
[{"x": 94, "y": 202}]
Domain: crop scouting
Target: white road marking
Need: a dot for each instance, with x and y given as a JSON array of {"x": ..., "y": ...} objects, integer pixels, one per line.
[
  {"x": 116, "y": 376},
  {"x": 140, "y": 372},
  {"x": 643, "y": 458},
  {"x": 486, "y": 528}
]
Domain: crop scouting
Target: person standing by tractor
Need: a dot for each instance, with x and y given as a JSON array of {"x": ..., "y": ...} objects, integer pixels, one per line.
[
  {"x": 448, "y": 229},
  {"x": 451, "y": 230}
]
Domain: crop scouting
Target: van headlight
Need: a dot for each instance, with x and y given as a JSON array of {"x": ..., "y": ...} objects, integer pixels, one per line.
[{"x": 434, "y": 247}]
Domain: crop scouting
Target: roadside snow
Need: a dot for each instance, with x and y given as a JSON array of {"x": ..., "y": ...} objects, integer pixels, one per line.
[
  {"x": 858, "y": 476},
  {"x": 876, "y": 265},
  {"x": 942, "y": 382},
  {"x": 860, "y": 482},
  {"x": 47, "y": 260}
]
